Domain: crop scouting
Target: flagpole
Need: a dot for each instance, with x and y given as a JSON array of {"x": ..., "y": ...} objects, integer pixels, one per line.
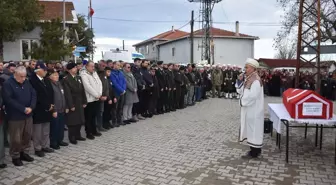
[{"x": 91, "y": 26}]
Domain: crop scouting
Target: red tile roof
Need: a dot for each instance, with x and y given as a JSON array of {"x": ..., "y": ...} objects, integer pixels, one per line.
[
  {"x": 166, "y": 36},
  {"x": 54, "y": 10},
  {"x": 178, "y": 34},
  {"x": 216, "y": 32}
]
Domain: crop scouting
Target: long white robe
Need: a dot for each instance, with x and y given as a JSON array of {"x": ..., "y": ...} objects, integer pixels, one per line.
[{"x": 252, "y": 114}]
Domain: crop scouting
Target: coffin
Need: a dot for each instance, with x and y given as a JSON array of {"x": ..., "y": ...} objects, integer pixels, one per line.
[{"x": 307, "y": 104}]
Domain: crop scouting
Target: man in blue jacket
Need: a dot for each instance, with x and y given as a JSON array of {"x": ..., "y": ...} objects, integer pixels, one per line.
[
  {"x": 20, "y": 100},
  {"x": 119, "y": 86}
]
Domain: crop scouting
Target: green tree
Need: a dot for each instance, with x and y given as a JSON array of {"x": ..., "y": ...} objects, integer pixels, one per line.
[
  {"x": 51, "y": 46},
  {"x": 291, "y": 17},
  {"x": 17, "y": 16},
  {"x": 81, "y": 35}
]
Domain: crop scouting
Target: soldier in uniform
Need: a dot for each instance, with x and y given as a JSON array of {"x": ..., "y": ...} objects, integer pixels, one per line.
[
  {"x": 217, "y": 81},
  {"x": 171, "y": 87},
  {"x": 178, "y": 82},
  {"x": 228, "y": 82},
  {"x": 161, "y": 77},
  {"x": 75, "y": 100}
]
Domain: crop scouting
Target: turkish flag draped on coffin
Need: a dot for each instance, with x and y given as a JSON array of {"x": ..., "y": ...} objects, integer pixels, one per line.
[{"x": 307, "y": 104}]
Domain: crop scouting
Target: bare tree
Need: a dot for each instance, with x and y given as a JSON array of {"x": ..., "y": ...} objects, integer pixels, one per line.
[
  {"x": 290, "y": 20},
  {"x": 286, "y": 50}
]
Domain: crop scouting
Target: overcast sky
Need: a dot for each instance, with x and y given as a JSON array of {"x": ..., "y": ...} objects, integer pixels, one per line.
[{"x": 257, "y": 17}]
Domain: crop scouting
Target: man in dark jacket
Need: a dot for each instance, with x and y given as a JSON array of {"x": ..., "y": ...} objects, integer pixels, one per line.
[
  {"x": 19, "y": 99},
  {"x": 110, "y": 103},
  {"x": 43, "y": 111},
  {"x": 148, "y": 85},
  {"x": 137, "y": 108},
  {"x": 171, "y": 87},
  {"x": 75, "y": 100},
  {"x": 105, "y": 94},
  {"x": 161, "y": 77},
  {"x": 179, "y": 83}
]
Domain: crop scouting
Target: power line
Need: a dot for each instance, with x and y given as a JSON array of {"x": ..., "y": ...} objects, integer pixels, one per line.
[
  {"x": 215, "y": 22},
  {"x": 130, "y": 20},
  {"x": 130, "y": 5}
]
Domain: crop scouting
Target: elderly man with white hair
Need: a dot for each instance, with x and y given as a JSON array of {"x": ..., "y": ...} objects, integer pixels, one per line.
[
  {"x": 20, "y": 100},
  {"x": 252, "y": 109}
]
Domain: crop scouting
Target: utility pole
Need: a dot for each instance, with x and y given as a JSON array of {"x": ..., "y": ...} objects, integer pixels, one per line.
[
  {"x": 64, "y": 28},
  {"x": 192, "y": 38}
]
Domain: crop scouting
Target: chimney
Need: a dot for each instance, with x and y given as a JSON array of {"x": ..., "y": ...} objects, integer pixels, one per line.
[
  {"x": 173, "y": 29},
  {"x": 237, "y": 28}
]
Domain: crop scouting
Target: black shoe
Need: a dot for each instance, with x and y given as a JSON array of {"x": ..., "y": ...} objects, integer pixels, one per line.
[
  {"x": 150, "y": 115},
  {"x": 80, "y": 138},
  {"x": 55, "y": 147},
  {"x": 47, "y": 150},
  {"x": 2, "y": 166},
  {"x": 91, "y": 137},
  {"x": 39, "y": 153},
  {"x": 132, "y": 120},
  {"x": 62, "y": 143},
  {"x": 73, "y": 141},
  {"x": 248, "y": 156},
  {"x": 126, "y": 122},
  {"x": 17, "y": 162},
  {"x": 98, "y": 134},
  {"x": 26, "y": 157}
]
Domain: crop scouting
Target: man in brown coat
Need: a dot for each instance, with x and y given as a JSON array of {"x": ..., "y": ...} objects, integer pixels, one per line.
[{"x": 75, "y": 99}]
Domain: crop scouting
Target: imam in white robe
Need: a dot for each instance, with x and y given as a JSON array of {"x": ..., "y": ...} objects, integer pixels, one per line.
[{"x": 252, "y": 114}]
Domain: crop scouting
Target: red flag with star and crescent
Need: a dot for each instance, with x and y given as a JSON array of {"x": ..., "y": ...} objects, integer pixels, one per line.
[{"x": 91, "y": 11}]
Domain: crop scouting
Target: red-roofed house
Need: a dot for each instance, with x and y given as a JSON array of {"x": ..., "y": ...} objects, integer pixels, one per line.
[
  {"x": 285, "y": 63},
  {"x": 174, "y": 46},
  {"x": 19, "y": 49}
]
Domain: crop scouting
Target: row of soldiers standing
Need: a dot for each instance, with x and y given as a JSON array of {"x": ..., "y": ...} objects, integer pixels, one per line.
[{"x": 224, "y": 80}]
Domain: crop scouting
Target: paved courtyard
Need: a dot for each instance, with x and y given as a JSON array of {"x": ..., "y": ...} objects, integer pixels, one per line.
[{"x": 197, "y": 145}]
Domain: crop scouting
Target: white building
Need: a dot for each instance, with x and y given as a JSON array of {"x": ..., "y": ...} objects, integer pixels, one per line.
[
  {"x": 174, "y": 46},
  {"x": 19, "y": 49}
]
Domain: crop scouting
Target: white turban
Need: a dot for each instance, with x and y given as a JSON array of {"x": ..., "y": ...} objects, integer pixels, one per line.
[{"x": 252, "y": 62}]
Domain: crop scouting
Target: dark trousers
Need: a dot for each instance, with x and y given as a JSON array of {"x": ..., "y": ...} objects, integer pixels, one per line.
[
  {"x": 160, "y": 102},
  {"x": 255, "y": 152},
  {"x": 146, "y": 97},
  {"x": 171, "y": 99},
  {"x": 166, "y": 100},
  {"x": 107, "y": 114},
  {"x": 138, "y": 107},
  {"x": 177, "y": 96},
  {"x": 90, "y": 117},
  {"x": 203, "y": 92},
  {"x": 152, "y": 104},
  {"x": 182, "y": 97},
  {"x": 74, "y": 132},
  {"x": 117, "y": 110},
  {"x": 57, "y": 129}
]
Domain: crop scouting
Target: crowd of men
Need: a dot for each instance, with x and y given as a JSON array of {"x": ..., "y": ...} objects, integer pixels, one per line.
[
  {"x": 40, "y": 100},
  {"x": 277, "y": 81}
]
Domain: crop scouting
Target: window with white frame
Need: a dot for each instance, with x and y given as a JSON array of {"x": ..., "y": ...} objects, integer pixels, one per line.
[
  {"x": 147, "y": 49},
  {"x": 26, "y": 47},
  {"x": 173, "y": 51}
]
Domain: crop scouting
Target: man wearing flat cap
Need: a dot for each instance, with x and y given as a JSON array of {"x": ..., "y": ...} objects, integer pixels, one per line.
[
  {"x": 75, "y": 100},
  {"x": 42, "y": 114},
  {"x": 252, "y": 109}
]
